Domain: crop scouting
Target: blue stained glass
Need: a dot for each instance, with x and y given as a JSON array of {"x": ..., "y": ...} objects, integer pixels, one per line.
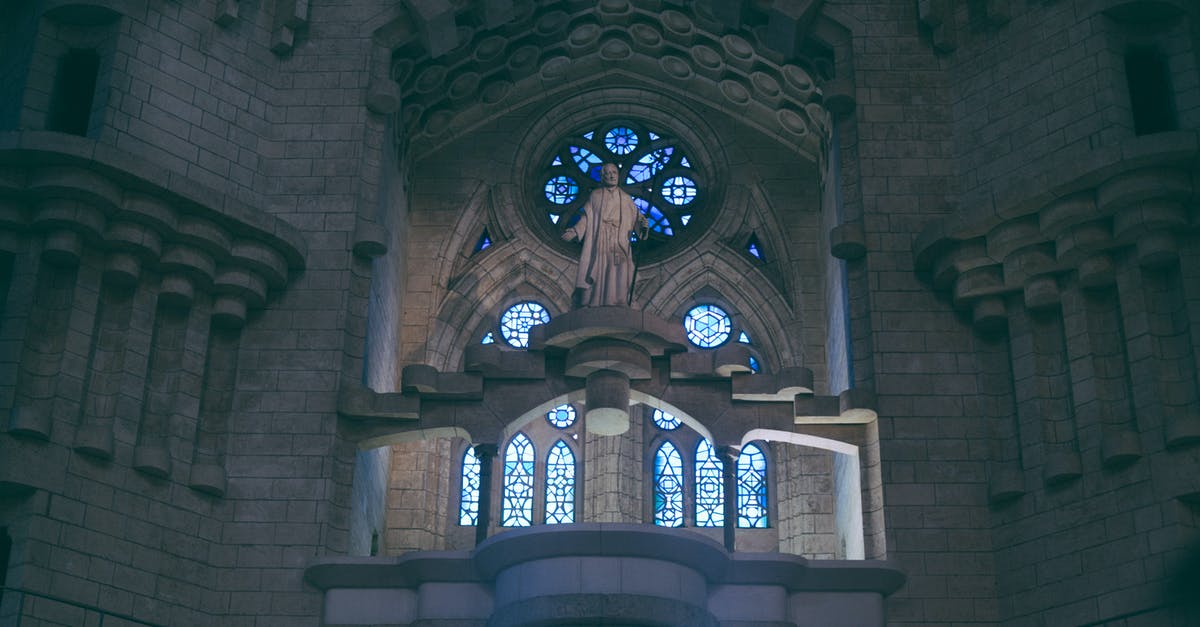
[
  {"x": 752, "y": 488},
  {"x": 488, "y": 338},
  {"x": 518, "y": 319},
  {"x": 707, "y": 326},
  {"x": 679, "y": 190},
  {"x": 665, "y": 421},
  {"x": 468, "y": 502},
  {"x": 755, "y": 249},
  {"x": 668, "y": 486},
  {"x": 685, "y": 219},
  {"x": 743, "y": 338},
  {"x": 587, "y": 161},
  {"x": 684, "y": 162},
  {"x": 485, "y": 240},
  {"x": 621, "y": 140},
  {"x": 554, "y": 218},
  {"x": 557, "y": 161},
  {"x": 561, "y": 190},
  {"x": 650, "y": 164},
  {"x": 562, "y": 416},
  {"x": 753, "y": 364},
  {"x": 710, "y": 487},
  {"x": 560, "y": 484},
  {"x": 589, "y": 134},
  {"x": 517, "y": 510},
  {"x": 659, "y": 223},
  {"x": 653, "y": 135}
]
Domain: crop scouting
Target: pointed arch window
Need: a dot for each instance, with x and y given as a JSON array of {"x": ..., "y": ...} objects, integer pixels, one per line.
[
  {"x": 668, "y": 486},
  {"x": 517, "y": 510},
  {"x": 752, "y": 488},
  {"x": 560, "y": 484},
  {"x": 468, "y": 502},
  {"x": 710, "y": 487}
]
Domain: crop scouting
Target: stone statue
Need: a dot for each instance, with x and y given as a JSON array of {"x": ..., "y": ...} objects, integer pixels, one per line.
[{"x": 606, "y": 263}]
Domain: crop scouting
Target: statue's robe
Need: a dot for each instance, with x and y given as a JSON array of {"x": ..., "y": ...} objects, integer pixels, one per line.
[{"x": 606, "y": 263}]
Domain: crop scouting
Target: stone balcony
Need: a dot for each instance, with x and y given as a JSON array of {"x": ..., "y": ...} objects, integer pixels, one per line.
[{"x": 602, "y": 572}]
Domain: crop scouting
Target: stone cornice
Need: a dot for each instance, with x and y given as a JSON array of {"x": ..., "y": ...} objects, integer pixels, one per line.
[
  {"x": 78, "y": 191},
  {"x": 1018, "y": 237}
]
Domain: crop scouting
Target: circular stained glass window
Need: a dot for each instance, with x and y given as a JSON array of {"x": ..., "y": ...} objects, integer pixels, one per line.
[
  {"x": 707, "y": 326},
  {"x": 562, "y": 416},
  {"x": 655, "y": 171},
  {"x": 665, "y": 420},
  {"x": 621, "y": 140},
  {"x": 518, "y": 319},
  {"x": 561, "y": 190},
  {"x": 679, "y": 190}
]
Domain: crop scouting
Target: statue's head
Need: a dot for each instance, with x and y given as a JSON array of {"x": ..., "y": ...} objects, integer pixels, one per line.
[{"x": 610, "y": 175}]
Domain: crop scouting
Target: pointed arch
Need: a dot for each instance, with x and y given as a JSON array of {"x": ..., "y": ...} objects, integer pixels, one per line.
[
  {"x": 668, "y": 485},
  {"x": 752, "y": 488},
  {"x": 560, "y": 484},
  {"x": 757, "y": 307},
  {"x": 710, "y": 486},
  {"x": 516, "y": 509}
]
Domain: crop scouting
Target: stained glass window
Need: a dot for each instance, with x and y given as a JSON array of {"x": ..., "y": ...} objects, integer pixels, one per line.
[
  {"x": 665, "y": 420},
  {"x": 658, "y": 222},
  {"x": 560, "y": 484},
  {"x": 679, "y": 190},
  {"x": 710, "y": 487},
  {"x": 753, "y": 364},
  {"x": 561, "y": 190},
  {"x": 707, "y": 326},
  {"x": 517, "y": 510},
  {"x": 562, "y": 416},
  {"x": 621, "y": 140},
  {"x": 654, "y": 169},
  {"x": 649, "y": 165},
  {"x": 488, "y": 338},
  {"x": 668, "y": 486},
  {"x": 518, "y": 319},
  {"x": 752, "y": 487},
  {"x": 587, "y": 161},
  {"x": 755, "y": 248},
  {"x": 468, "y": 502},
  {"x": 743, "y": 338},
  {"x": 485, "y": 240}
]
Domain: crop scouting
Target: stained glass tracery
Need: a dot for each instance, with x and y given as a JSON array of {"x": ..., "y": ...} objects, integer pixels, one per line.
[
  {"x": 562, "y": 416},
  {"x": 668, "y": 486},
  {"x": 517, "y": 509},
  {"x": 518, "y": 319},
  {"x": 710, "y": 487},
  {"x": 752, "y": 487},
  {"x": 468, "y": 502},
  {"x": 560, "y": 484},
  {"x": 667, "y": 187},
  {"x": 707, "y": 326},
  {"x": 665, "y": 421}
]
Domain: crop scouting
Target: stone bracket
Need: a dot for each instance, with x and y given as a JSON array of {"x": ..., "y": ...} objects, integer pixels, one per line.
[
  {"x": 427, "y": 382},
  {"x": 782, "y": 386},
  {"x": 359, "y": 402}
]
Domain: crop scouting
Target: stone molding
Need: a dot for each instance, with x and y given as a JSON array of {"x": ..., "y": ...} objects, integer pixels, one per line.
[
  {"x": 76, "y": 191},
  {"x": 562, "y": 564}
]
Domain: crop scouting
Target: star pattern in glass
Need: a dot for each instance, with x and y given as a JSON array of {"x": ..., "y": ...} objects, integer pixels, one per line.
[{"x": 707, "y": 326}]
